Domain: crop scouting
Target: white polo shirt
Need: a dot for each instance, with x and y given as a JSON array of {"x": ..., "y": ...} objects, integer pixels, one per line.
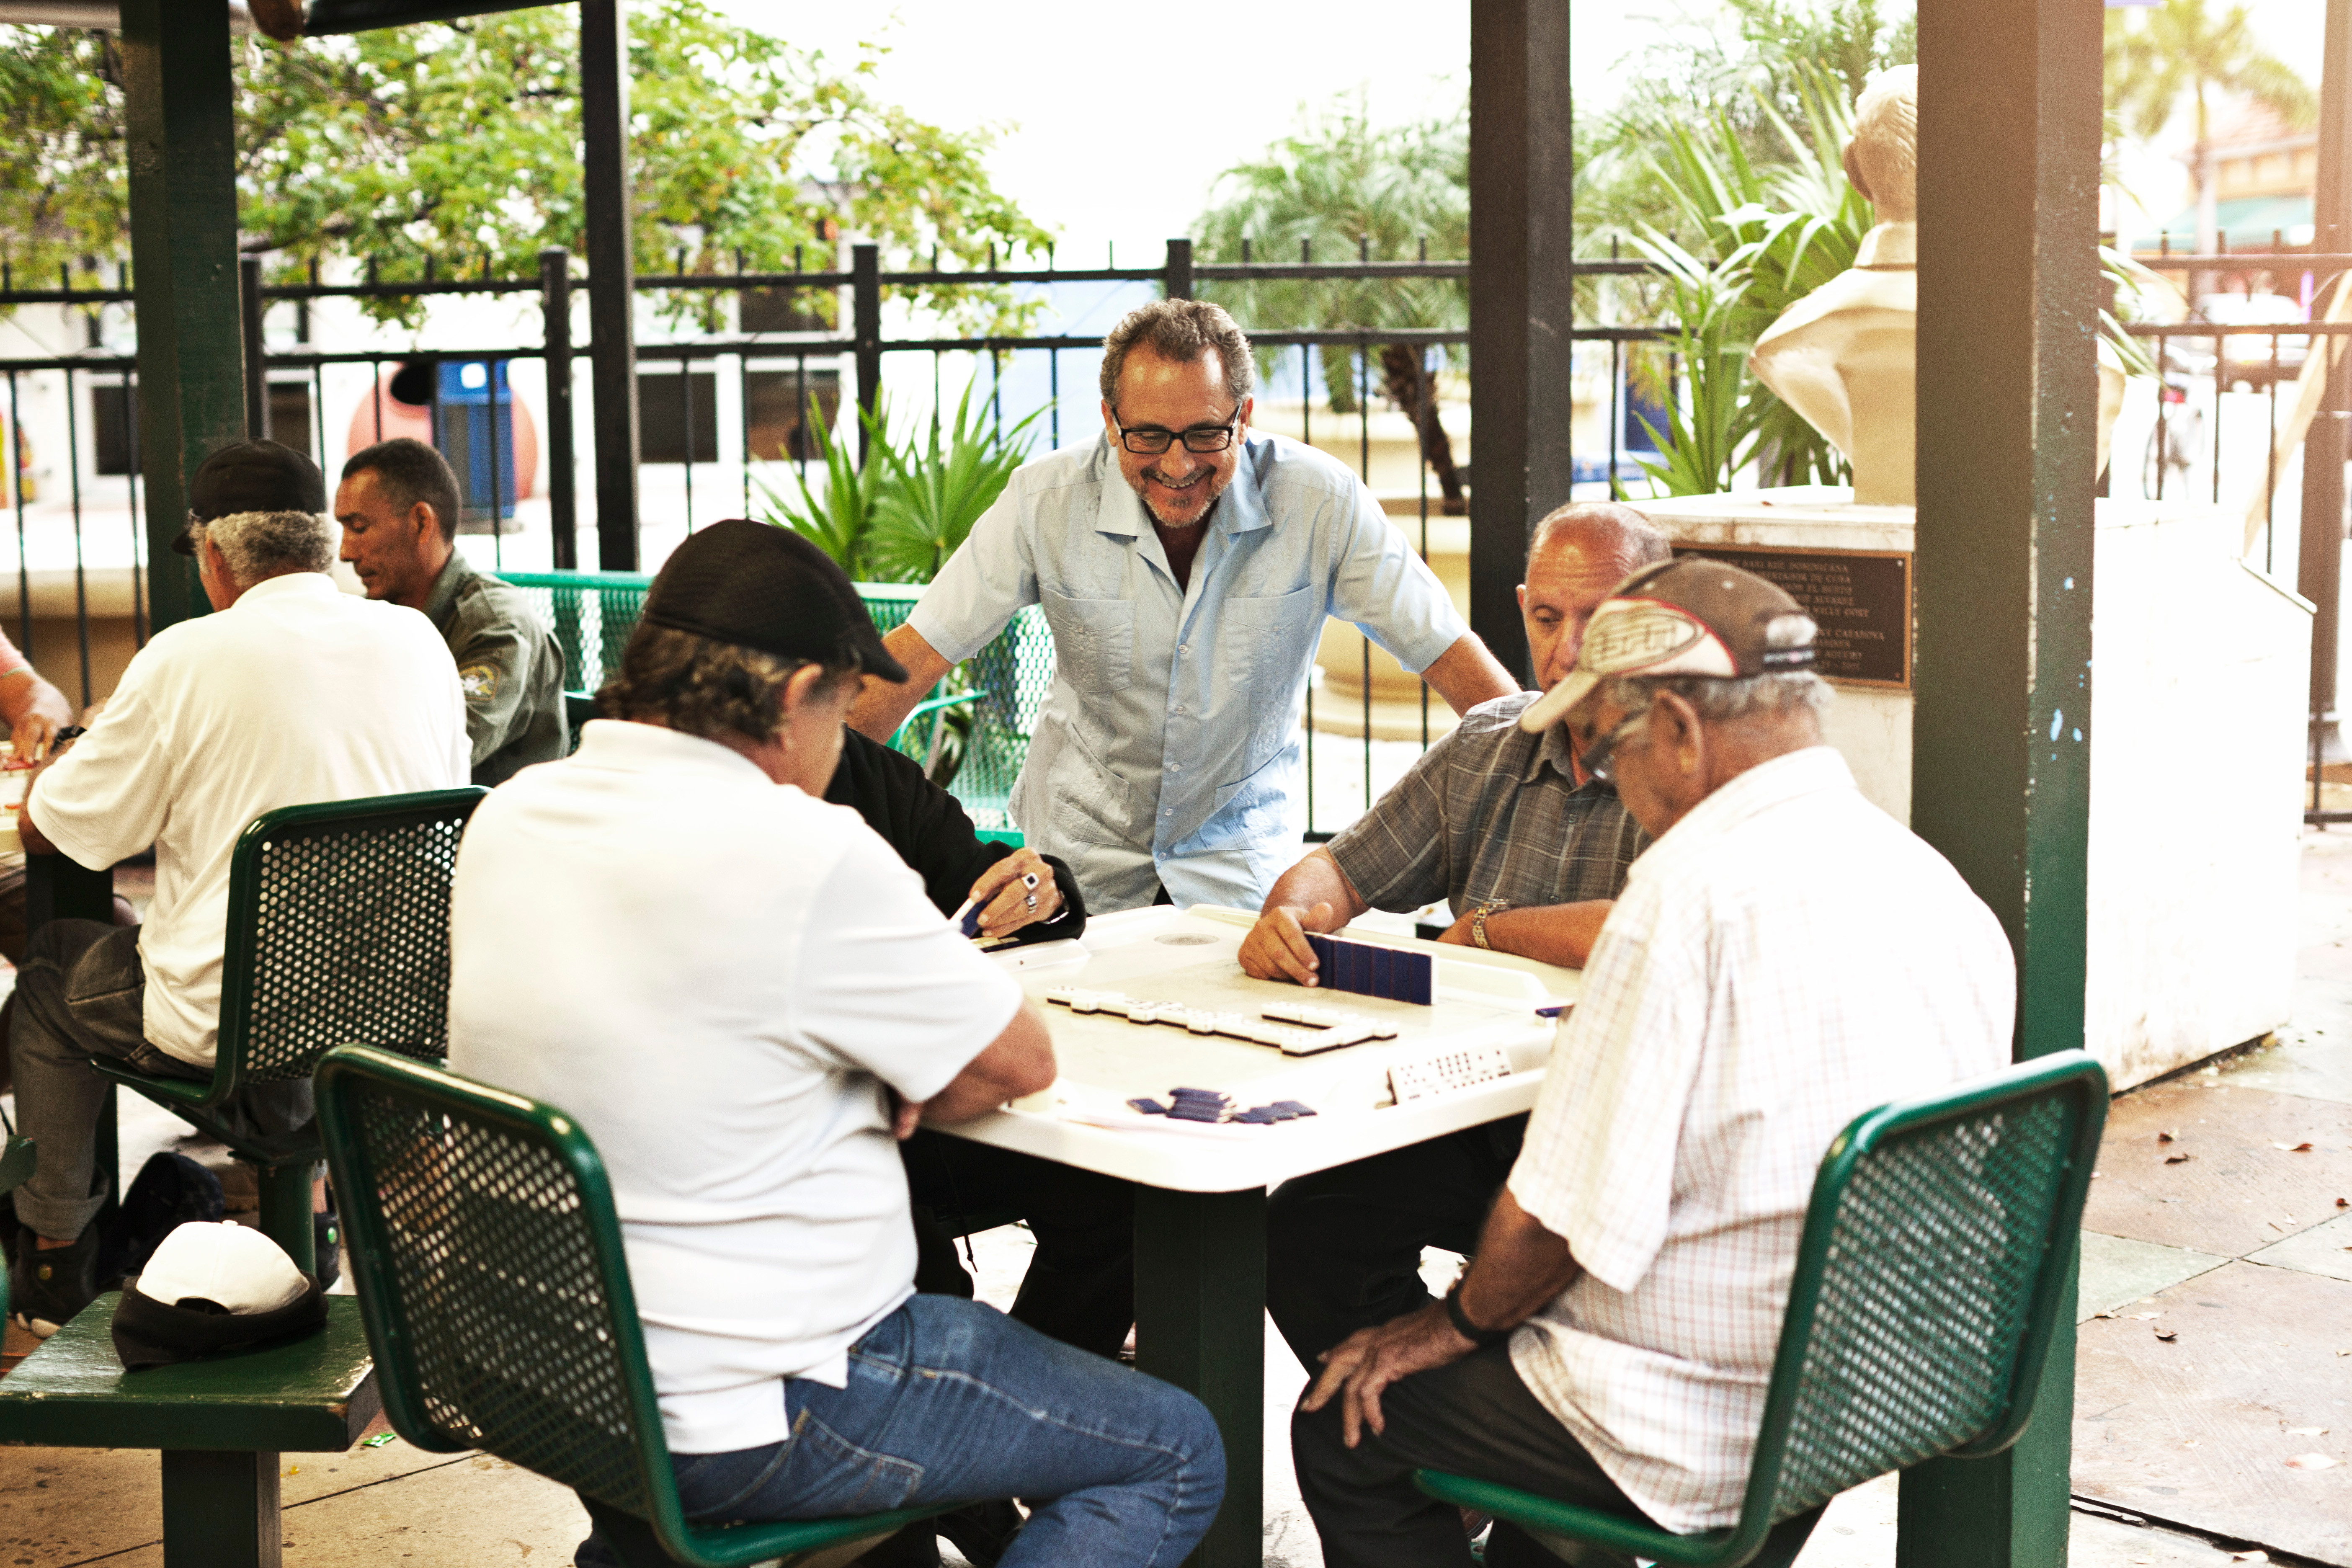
[
  {"x": 715, "y": 976},
  {"x": 294, "y": 694}
]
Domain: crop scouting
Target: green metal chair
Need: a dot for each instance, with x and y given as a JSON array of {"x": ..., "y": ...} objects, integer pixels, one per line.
[
  {"x": 1930, "y": 1280},
  {"x": 338, "y": 930},
  {"x": 496, "y": 1296},
  {"x": 18, "y": 1158}
]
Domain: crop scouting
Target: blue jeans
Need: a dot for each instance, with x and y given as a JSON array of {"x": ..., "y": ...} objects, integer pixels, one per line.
[{"x": 950, "y": 1402}]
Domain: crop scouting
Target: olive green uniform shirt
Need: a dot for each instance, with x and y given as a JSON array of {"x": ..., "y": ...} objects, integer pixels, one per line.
[{"x": 509, "y": 666}]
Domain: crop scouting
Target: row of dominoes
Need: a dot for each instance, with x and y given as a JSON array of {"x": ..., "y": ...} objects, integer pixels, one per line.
[{"x": 1342, "y": 1029}]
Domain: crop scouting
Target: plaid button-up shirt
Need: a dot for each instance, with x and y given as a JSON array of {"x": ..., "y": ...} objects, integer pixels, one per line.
[
  {"x": 1786, "y": 957},
  {"x": 1491, "y": 812}
]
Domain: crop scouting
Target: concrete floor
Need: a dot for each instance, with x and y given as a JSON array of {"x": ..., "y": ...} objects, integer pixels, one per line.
[{"x": 393, "y": 1503}]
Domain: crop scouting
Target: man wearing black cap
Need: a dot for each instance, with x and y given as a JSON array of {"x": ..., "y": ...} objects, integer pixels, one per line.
[
  {"x": 398, "y": 506},
  {"x": 745, "y": 998},
  {"x": 292, "y": 692},
  {"x": 1784, "y": 957}
]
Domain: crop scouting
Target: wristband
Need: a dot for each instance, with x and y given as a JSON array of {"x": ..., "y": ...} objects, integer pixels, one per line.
[
  {"x": 1479, "y": 921},
  {"x": 1482, "y": 1338}
]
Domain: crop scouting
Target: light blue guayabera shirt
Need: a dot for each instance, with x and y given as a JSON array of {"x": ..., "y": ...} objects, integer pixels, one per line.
[{"x": 1168, "y": 752}]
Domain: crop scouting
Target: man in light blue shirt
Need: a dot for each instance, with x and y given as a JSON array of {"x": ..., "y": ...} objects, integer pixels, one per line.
[{"x": 1186, "y": 566}]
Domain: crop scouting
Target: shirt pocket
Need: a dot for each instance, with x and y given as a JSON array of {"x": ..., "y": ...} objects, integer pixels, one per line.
[
  {"x": 1093, "y": 641},
  {"x": 1263, "y": 644}
]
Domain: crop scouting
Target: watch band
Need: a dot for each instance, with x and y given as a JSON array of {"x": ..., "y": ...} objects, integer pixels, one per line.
[
  {"x": 1478, "y": 922},
  {"x": 1469, "y": 1330}
]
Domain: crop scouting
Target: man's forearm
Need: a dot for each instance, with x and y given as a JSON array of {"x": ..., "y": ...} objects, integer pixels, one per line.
[
  {"x": 882, "y": 707},
  {"x": 1551, "y": 933},
  {"x": 1466, "y": 675},
  {"x": 1520, "y": 1268},
  {"x": 1316, "y": 879}
]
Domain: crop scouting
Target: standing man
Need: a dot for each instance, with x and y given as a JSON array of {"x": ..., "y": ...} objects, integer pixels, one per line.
[
  {"x": 398, "y": 505},
  {"x": 1785, "y": 957},
  {"x": 293, "y": 692},
  {"x": 1186, "y": 566}
]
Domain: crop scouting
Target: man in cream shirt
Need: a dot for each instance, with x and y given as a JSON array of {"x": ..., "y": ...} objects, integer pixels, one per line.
[{"x": 291, "y": 692}]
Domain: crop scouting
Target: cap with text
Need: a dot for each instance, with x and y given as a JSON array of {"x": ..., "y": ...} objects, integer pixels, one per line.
[
  {"x": 250, "y": 476},
  {"x": 1686, "y": 616}
]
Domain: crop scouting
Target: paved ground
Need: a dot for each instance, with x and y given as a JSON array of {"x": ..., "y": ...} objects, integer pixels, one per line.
[{"x": 2241, "y": 1251}]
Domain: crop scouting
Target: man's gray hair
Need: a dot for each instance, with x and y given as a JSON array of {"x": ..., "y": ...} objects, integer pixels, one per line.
[
  {"x": 258, "y": 545},
  {"x": 1718, "y": 701},
  {"x": 1180, "y": 331}
]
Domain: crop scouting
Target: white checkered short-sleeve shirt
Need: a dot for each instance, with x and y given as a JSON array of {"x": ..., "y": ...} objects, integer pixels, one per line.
[{"x": 1786, "y": 957}]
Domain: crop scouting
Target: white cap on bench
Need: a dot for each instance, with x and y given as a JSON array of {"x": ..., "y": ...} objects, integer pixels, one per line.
[{"x": 232, "y": 1266}]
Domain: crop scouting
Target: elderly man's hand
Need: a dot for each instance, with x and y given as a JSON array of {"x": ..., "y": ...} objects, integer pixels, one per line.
[
  {"x": 1006, "y": 902},
  {"x": 1359, "y": 1366},
  {"x": 32, "y": 736},
  {"x": 1275, "y": 948}
]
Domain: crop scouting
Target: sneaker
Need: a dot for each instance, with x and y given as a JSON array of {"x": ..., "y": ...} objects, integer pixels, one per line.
[
  {"x": 327, "y": 1236},
  {"x": 48, "y": 1285}
]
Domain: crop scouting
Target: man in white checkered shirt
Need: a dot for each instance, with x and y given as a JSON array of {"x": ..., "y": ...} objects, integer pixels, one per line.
[{"x": 1785, "y": 957}]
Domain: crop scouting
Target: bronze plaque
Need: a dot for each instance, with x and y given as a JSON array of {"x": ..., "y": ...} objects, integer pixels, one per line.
[{"x": 1860, "y": 597}]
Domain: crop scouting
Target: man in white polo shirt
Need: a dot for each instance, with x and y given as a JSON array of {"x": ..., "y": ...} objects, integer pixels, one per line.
[
  {"x": 292, "y": 692},
  {"x": 742, "y": 995}
]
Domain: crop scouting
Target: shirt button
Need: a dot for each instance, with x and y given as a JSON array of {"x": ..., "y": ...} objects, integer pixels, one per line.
[
  {"x": 1170, "y": 812},
  {"x": 1180, "y": 707},
  {"x": 1183, "y": 647},
  {"x": 1175, "y": 767}
]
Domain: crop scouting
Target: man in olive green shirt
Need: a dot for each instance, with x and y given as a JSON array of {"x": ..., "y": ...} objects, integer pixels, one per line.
[{"x": 398, "y": 505}]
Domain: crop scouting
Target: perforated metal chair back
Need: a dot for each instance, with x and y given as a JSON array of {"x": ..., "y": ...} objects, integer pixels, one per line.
[
  {"x": 489, "y": 1265},
  {"x": 593, "y": 614},
  {"x": 1928, "y": 1282},
  {"x": 339, "y": 931}
]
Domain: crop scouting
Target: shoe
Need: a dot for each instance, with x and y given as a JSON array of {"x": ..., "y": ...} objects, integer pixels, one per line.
[
  {"x": 48, "y": 1285},
  {"x": 982, "y": 1532},
  {"x": 327, "y": 1236}
]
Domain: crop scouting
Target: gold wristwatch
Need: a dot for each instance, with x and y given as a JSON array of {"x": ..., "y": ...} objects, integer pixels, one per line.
[{"x": 1479, "y": 921}]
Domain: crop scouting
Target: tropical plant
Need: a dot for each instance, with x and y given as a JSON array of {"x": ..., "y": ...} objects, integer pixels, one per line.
[
  {"x": 456, "y": 145},
  {"x": 1710, "y": 431},
  {"x": 2158, "y": 56},
  {"x": 836, "y": 517},
  {"x": 1342, "y": 187}
]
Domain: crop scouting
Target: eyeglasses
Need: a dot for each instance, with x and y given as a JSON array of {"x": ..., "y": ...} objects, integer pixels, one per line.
[
  {"x": 1151, "y": 440},
  {"x": 1598, "y": 756}
]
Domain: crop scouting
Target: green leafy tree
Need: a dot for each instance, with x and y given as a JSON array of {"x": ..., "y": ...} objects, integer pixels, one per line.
[
  {"x": 456, "y": 147},
  {"x": 1342, "y": 187},
  {"x": 2159, "y": 56}
]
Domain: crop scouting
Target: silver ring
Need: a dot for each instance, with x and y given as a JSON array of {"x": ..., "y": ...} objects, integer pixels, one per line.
[{"x": 1033, "y": 902}]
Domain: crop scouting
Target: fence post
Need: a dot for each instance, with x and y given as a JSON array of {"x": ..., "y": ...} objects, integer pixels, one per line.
[
  {"x": 555, "y": 315},
  {"x": 612, "y": 277},
  {"x": 2321, "y": 574},
  {"x": 181, "y": 154},
  {"x": 257, "y": 372},
  {"x": 1179, "y": 283},
  {"x": 866, "y": 329}
]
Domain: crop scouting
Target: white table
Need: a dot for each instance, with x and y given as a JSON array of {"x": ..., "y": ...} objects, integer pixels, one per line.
[{"x": 1199, "y": 1261}]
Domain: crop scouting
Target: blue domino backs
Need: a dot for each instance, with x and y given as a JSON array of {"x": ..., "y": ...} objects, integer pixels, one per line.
[{"x": 1370, "y": 969}]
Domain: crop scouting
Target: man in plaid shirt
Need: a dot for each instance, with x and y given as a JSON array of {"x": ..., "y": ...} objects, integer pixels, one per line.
[
  {"x": 1528, "y": 849},
  {"x": 1785, "y": 957}
]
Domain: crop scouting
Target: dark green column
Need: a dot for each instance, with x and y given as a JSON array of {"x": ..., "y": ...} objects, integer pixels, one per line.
[
  {"x": 220, "y": 1510},
  {"x": 179, "y": 104},
  {"x": 2008, "y": 156},
  {"x": 1200, "y": 1323}
]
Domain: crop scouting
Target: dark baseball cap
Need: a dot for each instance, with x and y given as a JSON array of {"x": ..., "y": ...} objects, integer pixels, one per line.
[
  {"x": 251, "y": 476},
  {"x": 760, "y": 586},
  {"x": 1687, "y": 616}
]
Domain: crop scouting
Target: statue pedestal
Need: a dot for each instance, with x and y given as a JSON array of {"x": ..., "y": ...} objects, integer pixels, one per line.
[{"x": 2201, "y": 666}]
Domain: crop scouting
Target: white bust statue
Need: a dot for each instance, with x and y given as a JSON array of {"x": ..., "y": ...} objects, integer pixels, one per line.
[{"x": 1846, "y": 356}]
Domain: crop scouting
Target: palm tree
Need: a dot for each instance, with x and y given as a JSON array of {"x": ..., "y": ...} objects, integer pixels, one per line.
[
  {"x": 1337, "y": 188},
  {"x": 2177, "y": 49}
]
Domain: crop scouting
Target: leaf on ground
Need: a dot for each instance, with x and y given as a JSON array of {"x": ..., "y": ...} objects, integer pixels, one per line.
[
  {"x": 2306, "y": 1431},
  {"x": 2343, "y": 1202},
  {"x": 2311, "y": 1462},
  {"x": 2256, "y": 1555},
  {"x": 2102, "y": 1314},
  {"x": 2167, "y": 1136},
  {"x": 2294, "y": 1148},
  {"x": 2144, "y": 1317},
  {"x": 2179, "y": 1159},
  {"x": 2166, "y": 1335}
]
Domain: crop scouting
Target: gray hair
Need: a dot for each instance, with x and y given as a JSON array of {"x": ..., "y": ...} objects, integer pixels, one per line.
[
  {"x": 258, "y": 545},
  {"x": 1637, "y": 541},
  {"x": 1180, "y": 331},
  {"x": 1776, "y": 693},
  {"x": 701, "y": 686}
]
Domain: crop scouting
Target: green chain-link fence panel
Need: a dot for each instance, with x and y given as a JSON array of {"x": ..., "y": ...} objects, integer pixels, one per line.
[{"x": 593, "y": 612}]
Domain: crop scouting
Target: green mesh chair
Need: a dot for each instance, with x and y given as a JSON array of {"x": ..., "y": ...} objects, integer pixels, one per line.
[
  {"x": 338, "y": 930},
  {"x": 593, "y": 614},
  {"x": 496, "y": 1296},
  {"x": 1930, "y": 1279}
]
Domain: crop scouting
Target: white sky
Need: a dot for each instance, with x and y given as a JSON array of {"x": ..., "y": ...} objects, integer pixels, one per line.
[{"x": 1090, "y": 89}]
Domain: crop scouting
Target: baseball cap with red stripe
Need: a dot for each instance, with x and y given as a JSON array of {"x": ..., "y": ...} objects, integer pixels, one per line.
[{"x": 1687, "y": 616}]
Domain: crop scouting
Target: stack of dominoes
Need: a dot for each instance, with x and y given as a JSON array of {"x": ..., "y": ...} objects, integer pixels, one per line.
[
  {"x": 1208, "y": 1105},
  {"x": 1370, "y": 970}
]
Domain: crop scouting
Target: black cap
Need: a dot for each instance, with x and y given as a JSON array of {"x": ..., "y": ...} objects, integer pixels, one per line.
[
  {"x": 760, "y": 586},
  {"x": 251, "y": 476}
]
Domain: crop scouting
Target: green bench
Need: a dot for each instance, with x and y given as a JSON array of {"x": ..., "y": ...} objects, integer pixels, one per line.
[
  {"x": 1930, "y": 1279},
  {"x": 338, "y": 930},
  {"x": 497, "y": 1296}
]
